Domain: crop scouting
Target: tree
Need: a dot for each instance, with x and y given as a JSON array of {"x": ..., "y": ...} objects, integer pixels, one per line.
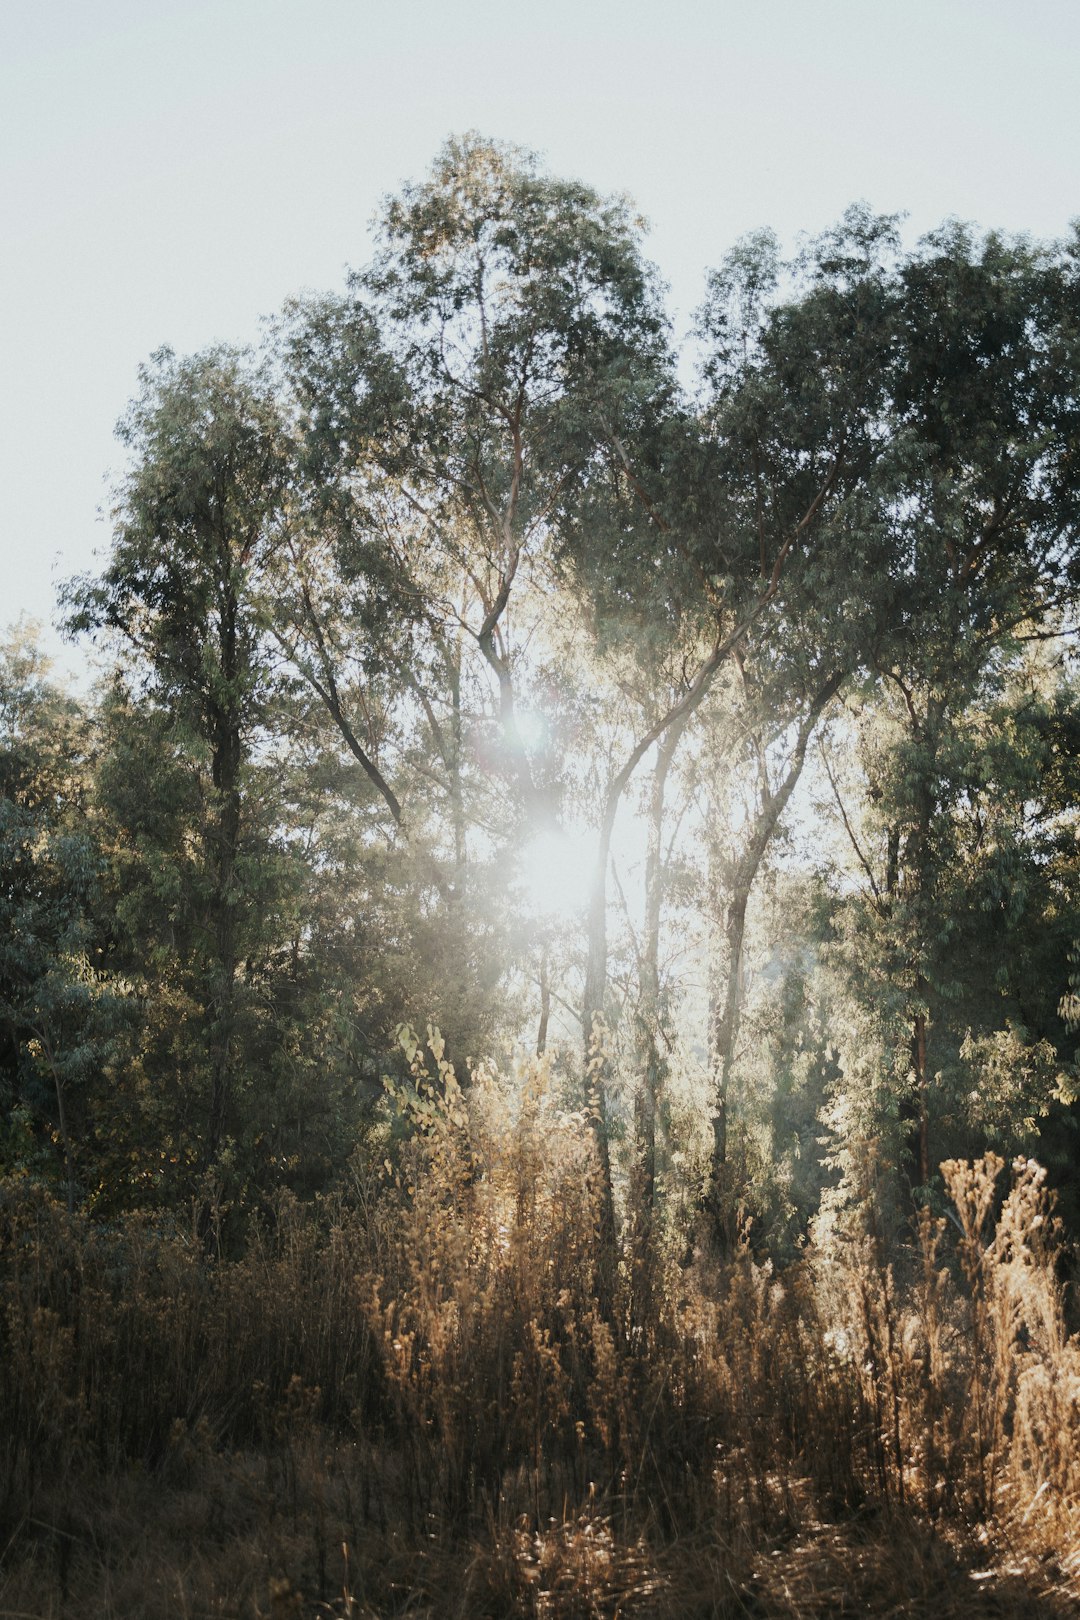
[
  {"x": 987, "y": 551},
  {"x": 753, "y": 521},
  {"x": 466, "y": 397},
  {"x": 461, "y": 394},
  {"x": 60, "y": 1008},
  {"x": 196, "y": 519}
]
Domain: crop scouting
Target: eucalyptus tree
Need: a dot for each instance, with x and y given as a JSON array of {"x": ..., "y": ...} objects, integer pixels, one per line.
[
  {"x": 995, "y": 959},
  {"x": 462, "y": 391},
  {"x": 463, "y": 400},
  {"x": 196, "y": 518},
  {"x": 650, "y": 1001},
  {"x": 747, "y": 529},
  {"x": 60, "y": 1005},
  {"x": 772, "y": 731},
  {"x": 987, "y": 554}
]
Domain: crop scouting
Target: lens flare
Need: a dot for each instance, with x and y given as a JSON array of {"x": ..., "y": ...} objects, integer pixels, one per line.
[{"x": 555, "y": 873}]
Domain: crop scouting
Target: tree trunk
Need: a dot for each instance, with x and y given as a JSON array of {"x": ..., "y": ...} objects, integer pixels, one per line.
[
  {"x": 545, "y": 1004},
  {"x": 592, "y": 1017},
  {"x": 226, "y": 761},
  {"x": 915, "y": 1109},
  {"x": 653, "y": 1066},
  {"x": 922, "y": 1117},
  {"x": 725, "y": 1035},
  {"x": 61, "y": 1117},
  {"x": 595, "y": 1033},
  {"x": 226, "y": 838},
  {"x": 454, "y": 764},
  {"x": 729, "y": 1006}
]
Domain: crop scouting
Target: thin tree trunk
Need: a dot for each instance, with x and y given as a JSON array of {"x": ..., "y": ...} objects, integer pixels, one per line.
[
  {"x": 225, "y": 936},
  {"x": 653, "y": 1067},
  {"x": 729, "y": 1005},
  {"x": 226, "y": 761},
  {"x": 915, "y": 1109},
  {"x": 594, "y": 1028},
  {"x": 454, "y": 763},
  {"x": 545, "y": 1004},
  {"x": 592, "y": 1013},
  {"x": 61, "y": 1117},
  {"x": 921, "y": 1130},
  {"x": 729, "y": 1014}
]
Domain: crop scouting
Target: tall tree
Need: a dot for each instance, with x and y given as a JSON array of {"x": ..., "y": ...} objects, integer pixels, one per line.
[
  {"x": 468, "y": 395},
  {"x": 60, "y": 1006},
  {"x": 195, "y": 520},
  {"x": 989, "y": 533},
  {"x": 463, "y": 391},
  {"x": 752, "y": 519}
]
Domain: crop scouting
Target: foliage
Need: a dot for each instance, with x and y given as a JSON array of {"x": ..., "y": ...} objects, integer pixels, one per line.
[
  {"x": 711, "y": 739},
  {"x": 417, "y": 1371}
]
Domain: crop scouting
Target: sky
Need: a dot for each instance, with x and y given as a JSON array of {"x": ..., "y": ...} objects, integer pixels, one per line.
[{"x": 171, "y": 171}]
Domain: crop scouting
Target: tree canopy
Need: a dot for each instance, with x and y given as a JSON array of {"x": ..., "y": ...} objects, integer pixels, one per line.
[{"x": 704, "y": 722}]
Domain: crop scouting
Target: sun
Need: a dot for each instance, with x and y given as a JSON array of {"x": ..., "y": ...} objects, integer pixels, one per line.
[{"x": 555, "y": 873}]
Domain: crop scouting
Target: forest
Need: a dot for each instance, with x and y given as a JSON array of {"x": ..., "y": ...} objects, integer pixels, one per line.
[{"x": 540, "y": 986}]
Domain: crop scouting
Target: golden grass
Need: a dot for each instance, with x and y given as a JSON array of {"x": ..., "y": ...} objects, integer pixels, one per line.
[{"x": 411, "y": 1403}]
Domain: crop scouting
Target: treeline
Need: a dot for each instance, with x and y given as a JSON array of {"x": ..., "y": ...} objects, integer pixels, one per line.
[{"x": 463, "y": 567}]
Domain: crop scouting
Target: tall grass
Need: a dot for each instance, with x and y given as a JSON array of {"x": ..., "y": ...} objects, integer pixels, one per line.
[{"x": 406, "y": 1399}]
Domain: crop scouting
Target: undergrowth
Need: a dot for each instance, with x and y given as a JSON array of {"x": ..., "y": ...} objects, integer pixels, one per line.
[{"x": 405, "y": 1399}]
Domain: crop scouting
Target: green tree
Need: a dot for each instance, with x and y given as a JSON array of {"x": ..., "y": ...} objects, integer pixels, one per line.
[
  {"x": 196, "y": 518},
  {"x": 988, "y": 552},
  {"x": 469, "y": 395},
  {"x": 60, "y": 1008}
]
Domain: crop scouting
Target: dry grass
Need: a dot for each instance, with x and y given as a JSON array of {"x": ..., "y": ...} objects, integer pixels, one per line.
[{"x": 410, "y": 1403}]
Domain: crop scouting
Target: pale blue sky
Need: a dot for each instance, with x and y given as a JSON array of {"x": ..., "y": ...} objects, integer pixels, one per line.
[{"x": 170, "y": 172}]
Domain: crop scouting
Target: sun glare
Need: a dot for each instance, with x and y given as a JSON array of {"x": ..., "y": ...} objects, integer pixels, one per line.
[{"x": 556, "y": 872}]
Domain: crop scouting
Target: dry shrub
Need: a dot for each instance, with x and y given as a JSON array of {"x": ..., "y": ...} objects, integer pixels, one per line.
[
  {"x": 116, "y": 1341},
  {"x": 493, "y": 1352},
  {"x": 1022, "y": 1411},
  {"x": 413, "y": 1399}
]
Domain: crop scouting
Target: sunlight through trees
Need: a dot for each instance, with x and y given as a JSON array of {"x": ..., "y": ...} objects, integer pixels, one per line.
[{"x": 554, "y": 795}]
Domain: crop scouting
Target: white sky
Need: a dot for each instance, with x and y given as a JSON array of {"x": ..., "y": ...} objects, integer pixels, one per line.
[{"x": 171, "y": 170}]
